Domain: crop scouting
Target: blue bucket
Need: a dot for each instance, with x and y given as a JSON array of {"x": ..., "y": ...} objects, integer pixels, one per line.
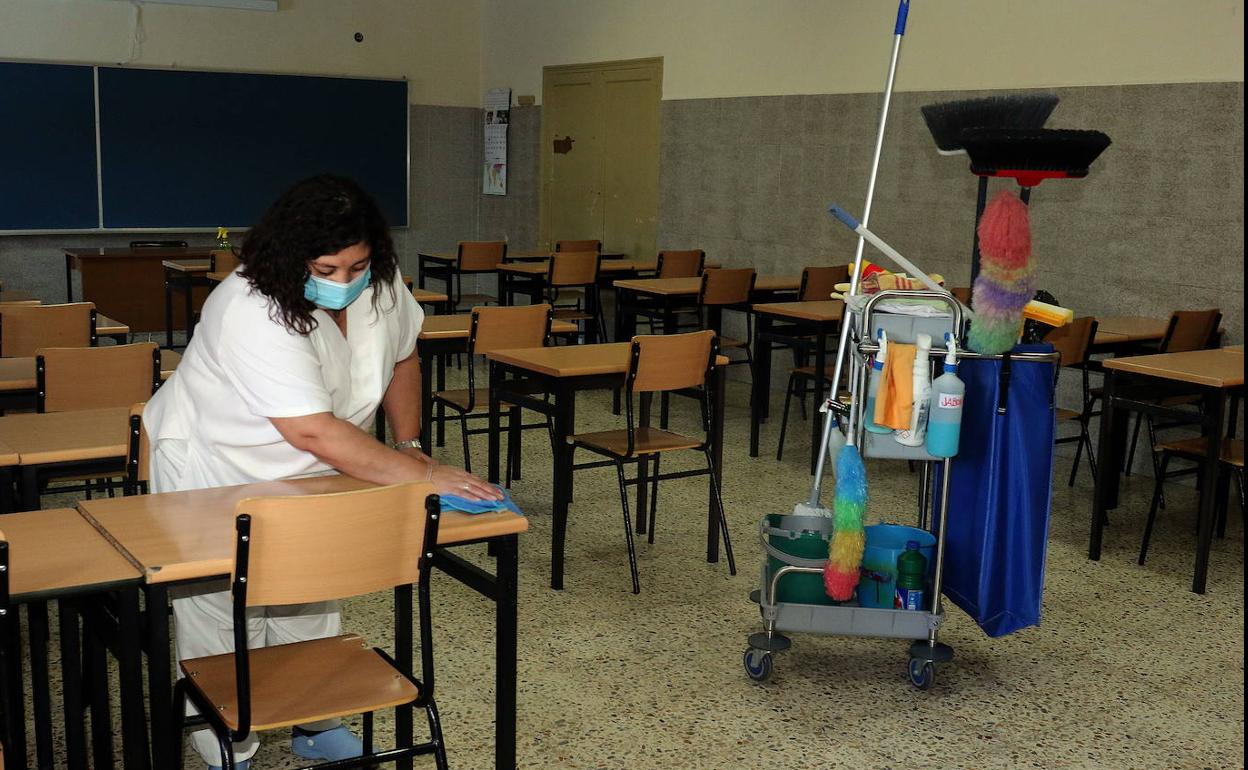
[{"x": 885, "y": 542}]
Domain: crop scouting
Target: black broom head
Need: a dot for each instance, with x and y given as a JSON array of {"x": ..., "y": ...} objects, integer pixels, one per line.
[
  {"x": 1033, "y": 155},
  {"x": 948, "y": 120}
]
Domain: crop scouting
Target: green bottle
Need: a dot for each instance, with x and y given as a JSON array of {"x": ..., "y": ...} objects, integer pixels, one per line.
[{"x": 911, "y": 578}]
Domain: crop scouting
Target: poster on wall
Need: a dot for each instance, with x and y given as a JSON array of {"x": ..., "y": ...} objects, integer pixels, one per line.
[{"x": 497, "y": 114}]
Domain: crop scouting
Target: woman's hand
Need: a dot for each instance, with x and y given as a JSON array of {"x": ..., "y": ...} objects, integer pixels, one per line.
[{"x": 449, "y": 480}]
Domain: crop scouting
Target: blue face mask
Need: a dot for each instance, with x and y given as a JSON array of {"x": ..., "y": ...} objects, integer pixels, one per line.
[{"x": 332, "y": 295}]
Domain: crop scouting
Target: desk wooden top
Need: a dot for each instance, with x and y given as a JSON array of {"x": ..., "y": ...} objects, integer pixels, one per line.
[
  {"x": 606, "y": 267},
  {"x": 527, "y": 254},
  {"x": 88, "y": 434},
  {"x": 1130, "y": 328},
  {"x": 574, "y": 360},
  {"x": 439, "y": 256},
  {"x": 459, "y": 326},
  {"x": 8, "y": 456},
  {"x": 817, "y": 310},
  {"x": 190, "y": 535},
  {"x": 19, "y": 373},
  {"x": 19, "y": 296},
  {"x": 424, "y": 295},
  {"x": 1235, "y": 349},
  {"x": 691, "y": 286},
  {"x": 187, "y": 265},
  {"x": 1212, "y": 368},
  {"x": 105, "y": 326},
  {"x": 154, "y": 252},
  {"x": 55, "y": 551},
  {"x": 218, "y": 276}
]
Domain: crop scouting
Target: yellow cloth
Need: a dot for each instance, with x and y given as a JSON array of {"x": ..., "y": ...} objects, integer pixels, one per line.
[{"x": 894, "y": 401}]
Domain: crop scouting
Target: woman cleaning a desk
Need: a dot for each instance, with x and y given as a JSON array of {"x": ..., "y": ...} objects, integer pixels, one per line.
[{"x": 293, "y": 356}]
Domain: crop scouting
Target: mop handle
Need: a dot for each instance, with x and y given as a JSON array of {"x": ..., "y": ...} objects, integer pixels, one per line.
[
  {"x": 889, "y": 251},
  {"x": 829, "y": 418}
]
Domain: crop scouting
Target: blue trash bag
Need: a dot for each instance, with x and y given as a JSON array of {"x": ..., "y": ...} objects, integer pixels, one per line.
[{"x": 1000, "y": 492}]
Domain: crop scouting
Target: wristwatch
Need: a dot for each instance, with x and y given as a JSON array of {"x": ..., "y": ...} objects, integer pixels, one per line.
[{"x": 411, "y": 443}]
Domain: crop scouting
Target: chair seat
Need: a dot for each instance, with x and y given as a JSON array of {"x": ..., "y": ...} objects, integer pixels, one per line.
[
  {"x": 1232, "y": 450},
  {"x": 572, "y": 314},
  {"x": 458, "y": 399},
  {"x": 303, "y": 682},
  {"x": 646, "y": 441},
  {"x": 472, "y": 300}
]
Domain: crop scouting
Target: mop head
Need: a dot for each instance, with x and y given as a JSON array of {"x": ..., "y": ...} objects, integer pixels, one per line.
[
  {"x": 1006, "y": 282},
  {"x": 840, "y": 574}
]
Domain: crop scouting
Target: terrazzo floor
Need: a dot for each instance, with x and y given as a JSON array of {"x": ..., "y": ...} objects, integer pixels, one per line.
[{"x": 1128, "y": 669}]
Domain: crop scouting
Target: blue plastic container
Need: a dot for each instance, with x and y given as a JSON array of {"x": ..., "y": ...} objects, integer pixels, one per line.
[{"x": 885, "y": 542}]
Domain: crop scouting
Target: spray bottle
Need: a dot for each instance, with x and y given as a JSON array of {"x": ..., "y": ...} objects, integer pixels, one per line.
[
  {"x": 877, "y": 375},
  {"x": 914, "y": 435},
  {"x": 948, "y": 391}
]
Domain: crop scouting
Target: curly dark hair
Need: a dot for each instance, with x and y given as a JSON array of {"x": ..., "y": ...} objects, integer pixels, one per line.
[{"x": 317, "y": 216}]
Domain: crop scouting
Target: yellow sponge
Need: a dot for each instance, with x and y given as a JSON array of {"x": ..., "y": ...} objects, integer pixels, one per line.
[{"x": 1045, "y": 313}]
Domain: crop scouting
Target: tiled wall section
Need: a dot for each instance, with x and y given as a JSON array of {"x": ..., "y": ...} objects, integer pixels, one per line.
[
  {"x": 1159, "y": 224},
  {"x": 445, "y": 190}
]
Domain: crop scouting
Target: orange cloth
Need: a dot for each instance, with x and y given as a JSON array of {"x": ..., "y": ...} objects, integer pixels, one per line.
[{"x": 894, "y": 401}]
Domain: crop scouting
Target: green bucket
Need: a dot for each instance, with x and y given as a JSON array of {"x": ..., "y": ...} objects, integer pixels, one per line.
[{"x": 799, "y": 541}]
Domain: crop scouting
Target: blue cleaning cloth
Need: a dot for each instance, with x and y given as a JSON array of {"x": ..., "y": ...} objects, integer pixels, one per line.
[{"x": 456, "y": 503}]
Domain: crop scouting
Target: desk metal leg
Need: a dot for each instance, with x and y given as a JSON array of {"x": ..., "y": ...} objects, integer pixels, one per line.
[
  {"x": 37, "y": 621},
  {"x": 505, "y": 653},
  {"x": 71, "y": 694},
  {"x": 96, "y": 677},
  {"x": 14, "y": 712},
  {"x": 716, "y": 395},
  {"x": 28, "y": 494},
  {"x": 130, "y": 680},
  {"x": 439, "y": 366},
  {"x": 159, "y": 677},
  {"x": 69, "y": 278},
  {"x": 168, "y": 310},
  {"x": 426, "y": 401},
  {"x": 760, "y": 380},
  {"x": 188, "y": 289},
  {"x": 1215, "y": 409},
  {"x": 495, "y": 407},
  {"x": 565, "y": 425},
  {"x": 1106, "y": 459}
]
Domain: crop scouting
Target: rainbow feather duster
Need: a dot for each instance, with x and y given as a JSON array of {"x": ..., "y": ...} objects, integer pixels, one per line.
[
  {"x": 841, "y": 573},
  {"x": 1006, "y": 282}
]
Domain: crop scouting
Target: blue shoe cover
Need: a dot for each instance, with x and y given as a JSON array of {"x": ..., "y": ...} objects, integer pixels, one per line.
[{"x": 338, "y": 743}]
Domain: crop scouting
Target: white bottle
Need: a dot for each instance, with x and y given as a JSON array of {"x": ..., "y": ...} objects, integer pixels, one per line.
[
  {"x": 914, "y": 435},
  {"x": 876, "y": 377},
  {"x": 948, "y": 392}
]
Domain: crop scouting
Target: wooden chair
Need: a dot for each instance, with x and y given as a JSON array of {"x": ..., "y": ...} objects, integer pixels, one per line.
[
  {"x": 26, "y": 328},
  {"x": 818, "y": 283},
  {"x": 688, "y": 263},
  {"x": 1073, "y": 342},
  {"x": 294, "y": 550},
  {"x": 495, "y": 328},
  {"x": 476, "y": 258},
  {"x": 1231, "y": 461},
  {"x": 659, "y": 364},
  {"x": 594, "y": 246},
  {"x": 223, "y": 261},
  {"x": 138, "y": 454},
  {"x": 727, "y": 288},
  {"x": 576, "y": 271},
  {"x": 67, "y": 379}
]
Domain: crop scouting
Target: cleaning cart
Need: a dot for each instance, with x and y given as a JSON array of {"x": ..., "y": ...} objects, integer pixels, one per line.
[{"x": 789, "y": 595}]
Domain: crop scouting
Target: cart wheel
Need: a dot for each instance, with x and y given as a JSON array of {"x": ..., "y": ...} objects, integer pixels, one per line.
[
  {"x": 922, "y": 673},
  {"x": 757, "y": 664}
]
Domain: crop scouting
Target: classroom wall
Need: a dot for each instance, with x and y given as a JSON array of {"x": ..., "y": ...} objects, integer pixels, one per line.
[{"x": 727, "y": 48}]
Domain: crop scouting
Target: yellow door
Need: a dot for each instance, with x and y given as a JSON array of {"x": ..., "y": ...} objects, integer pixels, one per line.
[{"x": 600, "y": 154}]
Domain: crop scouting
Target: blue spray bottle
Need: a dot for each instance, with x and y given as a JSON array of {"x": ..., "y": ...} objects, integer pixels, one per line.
[
  {"x": 944, "y": 423},
  {"x": 877, "y": 375}
]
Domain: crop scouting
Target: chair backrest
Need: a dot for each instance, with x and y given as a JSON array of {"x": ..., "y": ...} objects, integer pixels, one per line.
[
  {"x": 158, "y": 244},
  {"x": 507, "y": 328},
  {"x": 726, "y": 286},
  {"x": 670, "y": 361},
  {"x": 1074, "y": 340},
  {"x": 594, "y": 246},
  {"x": 138, "y": 449},
  {"x": 481, "y": 256},
  {"x": 1191, "y": 330},
  {"x": 223, "y": 260},
  {"x": 681, "y": 264},
  {"x": 313, "y": 548},
  {"x": 26, "y": 328},
  {"x": 819, "y": 282},
  {"x": 67, "y": 379},
  {"x": 573, "y": 268}
]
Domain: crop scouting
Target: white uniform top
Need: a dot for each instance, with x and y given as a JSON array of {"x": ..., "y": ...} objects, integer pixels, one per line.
[{"x": 243, "y": 367}]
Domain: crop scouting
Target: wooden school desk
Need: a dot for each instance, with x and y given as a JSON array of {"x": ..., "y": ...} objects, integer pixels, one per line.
[
  {"x": 124, "y": 283},
  {"x": 89, "y": 441},
  {"x": 819, "y": 319},
  {"x": 561, "y": 372},
  {"x": 669, "y": 293},
  {"x": 56, "y": 554},
  {"x": 440, "y": 336},
  {"x": 183, "y": 275},
  {"x": 529, "y": 278},
  {"x": 179, "y": 538},
  {"x": 1121, "y": 334},
  {"x": 17, "y": 378},
  {"x": 1213, "y": 373},
  {"x": 23, "y": 297},
  {"x": 537, "y": 255}
]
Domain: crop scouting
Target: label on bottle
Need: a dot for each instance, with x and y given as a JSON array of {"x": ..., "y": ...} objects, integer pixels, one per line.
[
  {"x": 908, "y": 599},
  {"x": 949, "y": 401}
]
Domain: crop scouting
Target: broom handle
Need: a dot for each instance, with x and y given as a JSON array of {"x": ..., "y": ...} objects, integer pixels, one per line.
[
  {"x": 889, "y": 251},
  {"x": 829, "y": 418}
]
